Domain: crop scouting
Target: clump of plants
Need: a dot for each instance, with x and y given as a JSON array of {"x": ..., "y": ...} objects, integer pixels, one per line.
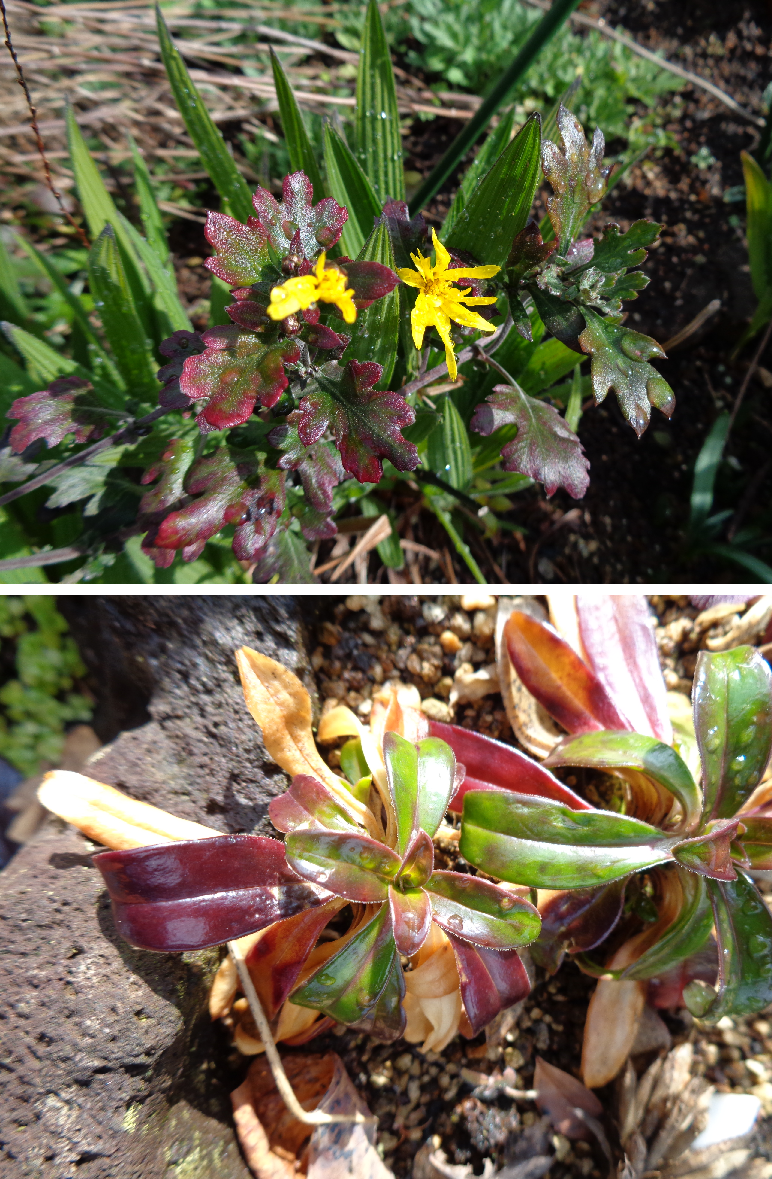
[{"x": 348, "y": 346}]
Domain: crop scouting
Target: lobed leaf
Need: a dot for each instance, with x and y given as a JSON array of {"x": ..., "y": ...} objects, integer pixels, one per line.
[
  {"x": 545, "y": 447},
  {"x": 242, "y": 254},
  {"x": 744, "y": 934},
  {"x": 237, "y": 370},
  {"x": 561, "y": 682},
  {"x": 320, "y": 471},
  {"x": 310, "y": 805},
  {"x": 180, "y": 345},
  {"x": 480, "y": 912},
  {"x": 500, "y": 766},
  {"x": 350, "y": 865},
  {"x": 172, "y": 467},
  {"x": 618, "y": 251},
  {"x": 732, "y": 699},
  {"x": 490, "y": 981},
  {"x": 67, "y": 406},
  {"x": 301, "y": 153},
  {"x": 411, "y": 915},
  {"x": 620, "y": 361},
  {"x": 608, "y": 750},
  {"x": 365, "y": 422},
  {"x": 547, "y": 845},
  {"x": 296, "y": 224},
  {"x": 576, "y": 174}
]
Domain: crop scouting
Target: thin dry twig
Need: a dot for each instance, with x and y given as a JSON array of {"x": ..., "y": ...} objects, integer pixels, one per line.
[
  {"x": 380, "y": 530},
  {"x": 693, "y": 326},
  {"x": 754, "y": 364}
]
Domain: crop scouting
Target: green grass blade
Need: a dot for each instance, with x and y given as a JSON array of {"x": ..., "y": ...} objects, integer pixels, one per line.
[
  {"x": 389, "y": 550},
  {"x": 574, "y": 407},
  {"x": 487, "y": 155},
  {"x": 448, "y": 452},
  {"x": 542, "y": 33},
  {"x": 499, "y": 206},
  {"x": 166, "y": 300},
  {"x": 379, "y": 144},
  {"x": 746, "y": 560},
  {"x": 14, "y": 382},
  {"x": 301, "y": 153},
  {"x": 44, "y": 364},
  {"x": 350, "y": 187},
  {"x": 208, "y": 141},
  {"x": 459, "y": 544},
  {"x": 758, "y": 198},
  {"x": 375, "y": 335},
  {"x": 152, "y": 219},
  {"x": 129, "y": 343},
  {"x": 12, "y": 302},
  {"x": 705, "y": 470}
]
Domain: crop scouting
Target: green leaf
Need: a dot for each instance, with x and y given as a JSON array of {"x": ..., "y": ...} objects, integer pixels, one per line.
[
  {"x": 732, "y": 699},
  {"x": 14, "y": 382},
  {"x": 705, "y": 471},
  {"x": 386, "y": 1019},
  {"x": 347, "y": 985},
  {"x": 480, "y": 912},
  {"x": 301, "y": 154},
  {"x": 687, "y": 934},
  {"x": 97, "y": 480},
  {"x": 401, "y": 758},
  {"x": 352, "y": 866},
  {"x": 12, "y": 301},
  {"x": 448, "y": 452},
  {"x": 208, "y": 141},
  {"x": 459, "y": 544},
  {"x": 738, "y": 556},
  {"x": 351, "y": 188},
  {"x": 126, "y": 335},
  {"x": 436, "y": 771},
  {"x": 577, "y": 176},
  {"x": 744, "y": 934},
  {"x": 389, "y": 550},
  {"x": 375, "y": 335},
  {"x": 620, "y": 359},
  {"x": 499, "y": 206},
  {"x": 152, "y": 220},
  {"x": 44, "y": 364},
  {"x": 618, "y": 251},
  {"x": 634, "y": 751},
  {"x": 166, "y": 300},
  {"x": 547, "y": 845},
  {"x": 756, "y": 841},
  {"x": 491, "y": 149},
  {"x": 758, "y": 201},
  {"x": 220, "y": 297},
  {"x": 379, "y": 144}
]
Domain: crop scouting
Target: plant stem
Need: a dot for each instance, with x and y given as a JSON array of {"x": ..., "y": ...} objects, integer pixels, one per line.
[
  {"x": 460, "y": 545},
  {"x": 313, "y": 1117},
  {"x": 468, "y": 353},
  {"x": 544, "y": 30}
]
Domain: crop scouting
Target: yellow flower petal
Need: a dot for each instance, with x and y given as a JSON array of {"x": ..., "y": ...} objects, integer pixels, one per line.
[
  {"x": 441, "y": 254},
  {"x": 471, "y": 319},
  {"x": 471, "y": 272},
  {"x": 410, "y": 277}
]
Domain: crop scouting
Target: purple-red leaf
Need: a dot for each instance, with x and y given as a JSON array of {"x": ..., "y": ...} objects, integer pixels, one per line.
[
  {"x": 491, "y": 980},
  {"x": 178, "y": 347},
  {"x": 276, "y": 960},
  {"x": 172, "y": 467},
  {"x": 319, "y": 465},
  {"x": 492, "y": 765},
  {"x": 709, "y": 853},
  {"x": 546, "y": 448},
  {"x": 67, "y": 406},
  {"x": 407, "y": 237},
  {"x": 418, "y": 863},
  {"x": 561, "y": 682},
  {"x": 575, "y": 921},
  {"x": 311, "y": 805},
  {"x": 198, "y": 893},
  {"x": 618, "y": 640},
  {"x": 368, "y": 280},
  {"x": 364, "y": 421},
  {"x": 242, "y": 256},
  {"x": 481, "y": 912},
  {"x": 350, "y": 865},
  {"x": 560, "y": 1095},
  {"x": 411, "y": 915},
  {"x": 313, "y": 228},
  {"x": 237, "y": 370}
]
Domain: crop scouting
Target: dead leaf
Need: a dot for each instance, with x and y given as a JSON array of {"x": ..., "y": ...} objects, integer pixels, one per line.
[
  {"x": 341, "y": 1149},
  {"x": 611, "y": 1027},
  {"x": 559, "y": 1095}
]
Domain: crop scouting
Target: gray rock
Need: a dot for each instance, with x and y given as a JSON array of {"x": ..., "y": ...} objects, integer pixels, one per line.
[{"x": 109, "y": 1065}]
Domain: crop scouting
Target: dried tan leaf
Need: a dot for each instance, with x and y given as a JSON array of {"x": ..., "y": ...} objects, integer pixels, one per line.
[
  {"x": 223, "y": 989},
  {"x": 340, "y": 1150},
  {"x": 432, "y": 999},
  {"x": 612, "y": 1023},
  {"x": 261, "y": 1160},
  {"x": 747, "y": 629},
  {"x": 559, "y": 1094}
]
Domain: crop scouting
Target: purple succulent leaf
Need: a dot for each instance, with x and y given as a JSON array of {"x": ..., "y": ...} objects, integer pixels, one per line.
[
  {"x": 368, "y": 280},
  {"x": 296, "y": 225},
  {"x": 321, "y": 336},
  {"x": 348, "y": 864},
  {"x": 481, "y": 912},
  {"x": 411, "y": 915},
  {"x": 250, "y": 315},
  {"x": 491, "y": 980},
  {"x": 310, "y": 805},
  {"x": 279, "y": 956},
  {"x": 546, "y": 448},
  {"x": 66, "y": 406},
  {"x": 407, "y": 237},
  {"x": 365, "y": 422},
  {"x": 576, "y": 921}
]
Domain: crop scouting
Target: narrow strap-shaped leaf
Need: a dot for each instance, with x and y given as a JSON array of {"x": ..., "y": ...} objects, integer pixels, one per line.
[
  {"x": 546, "y": 845},
  {"x": 347, "y": 985},
  {"x": 562, "y": 683},
  {"x": 744, "y": 934},
  {"x": 301, "y": 153},
  {"x": 481, "y": 912},
  {"x": 166, "y": 299},
  {"x": 501, "y": 766},
  {"x": 618, "y": 640},
  {"x": 448, "y": 451},
  {"x": 379, "y": 144},
  {"x": 490, "y": 980},
  {"x": 499, "y": 206},
  {"x": 13, "y": 305},
  {"x": 418, "y": 864},
  {"x": 401, "y": 758},
  {"x": 208, "y": 141},
  {"x": 277, "y": 959},
  {"x": 684, "y": 937},
  {"x": 386, "y": 1019},
  {"x": 124, "y": 331},
  {"x": 757, "y": 841},
  {"x": 482, "y": 162},
  {"x": 436, "y": 776},
  {"x": 411, "y": 914},
  {"x": 758, "y": 199},
  {"x": 576, "y": 921},
  {"x": 152, "y": 219},
  {"x": 732, "y": 698},
  {"x": 353, "y": 761},
  {"x": 634, "y": 751},
  {"x": 351, "y": 188},
  {"x": 352, "y": 866},
  {"x": 311, "y": 805},
  {"x": 705, "y": 471},
  {"x": 44, "y": 363},
  {"x": 375, "y": 335}
]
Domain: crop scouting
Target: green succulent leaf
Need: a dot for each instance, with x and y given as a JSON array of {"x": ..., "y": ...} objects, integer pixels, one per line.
[
  {"x": 687, "y": 934},
  {"x": 401, "y": 758},
  {"x": 351, "y": 188},
  {"x": 634, "y": 751},
  {"x": 350, "y": 983},
  {"x": 352, "y": 866},
  {"x": 480, "y": 912},
  {"x": 417, "y": 864},
  {"x": 757, "y": 842},
  {"x": 744, "y": 934},
  {"x": 709, "y": 853},
  {"x": 301, "y": 154},
  {"x": 620, "y": 361},
  {"x": 310, "y": 805},
  {"x": 732, "y": 698},
  {"x": 577, "y": 176},
  {"x": 352, "y": 761},
  {"x": 436, "y": 774},
  {"x": 547, "y": 845},
  {"x": 386, "y": 1019},
  {"x": 411, "y": 914},
  {"x": 379, "y": 144}
]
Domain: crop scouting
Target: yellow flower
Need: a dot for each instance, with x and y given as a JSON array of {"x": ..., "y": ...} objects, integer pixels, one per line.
[
  {"x": 439, "y": 302},
  {"x": 321, "y": 286}
]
